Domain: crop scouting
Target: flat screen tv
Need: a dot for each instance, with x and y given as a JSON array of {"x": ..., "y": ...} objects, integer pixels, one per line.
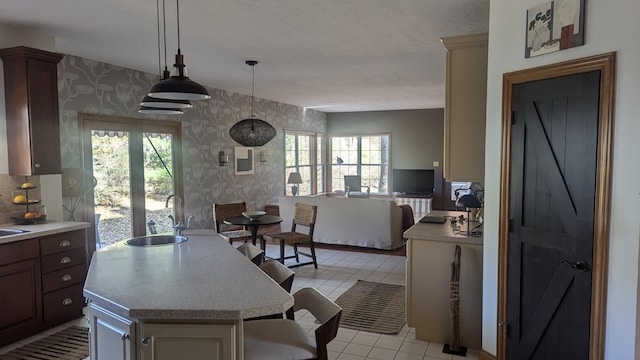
[{"x": 413, "y": 181}]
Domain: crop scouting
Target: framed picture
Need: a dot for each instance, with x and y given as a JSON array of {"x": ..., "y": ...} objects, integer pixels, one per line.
[
  {"x": 244, "y": 160},
  {"x": 554, "y": 26}
]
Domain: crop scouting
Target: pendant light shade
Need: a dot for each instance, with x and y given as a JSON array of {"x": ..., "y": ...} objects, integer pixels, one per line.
[
  {"x": 155, "y": 106},
  {"x": 159, "y": 111},
  {"x": 252, "y": 132},
  {"x": 179, "y": 86}
]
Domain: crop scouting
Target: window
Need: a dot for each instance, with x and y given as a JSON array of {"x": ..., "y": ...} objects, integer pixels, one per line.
[
  {"x": 303, "y": 153},
  {"x": 364, "y": 155}
]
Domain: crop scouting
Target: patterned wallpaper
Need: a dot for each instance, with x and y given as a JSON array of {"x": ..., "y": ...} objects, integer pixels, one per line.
[{"x": 93, "y": 87}]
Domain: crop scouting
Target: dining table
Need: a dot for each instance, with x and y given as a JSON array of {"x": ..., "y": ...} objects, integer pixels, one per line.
[{"x": 253, "y": 224}]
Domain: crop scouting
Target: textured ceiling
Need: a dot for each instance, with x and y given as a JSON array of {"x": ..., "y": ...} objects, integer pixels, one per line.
[{"x": 338, "y": 55}]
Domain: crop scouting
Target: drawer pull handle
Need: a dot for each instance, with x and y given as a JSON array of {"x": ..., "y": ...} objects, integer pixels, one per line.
[
  {"x": 65, "y": 260},
  {"x": 67, "y": 302},
  {"x": 66, "y": 278},
  {"x": 146, "y": 341},
  {"x": 65, "y": 243}
]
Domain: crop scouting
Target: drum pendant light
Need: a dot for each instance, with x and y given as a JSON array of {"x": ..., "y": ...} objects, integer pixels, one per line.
[
  {"x": 252, "y": 131},
  {"x": 179, "y": 86},
  {"x": 155, "y": 106}
]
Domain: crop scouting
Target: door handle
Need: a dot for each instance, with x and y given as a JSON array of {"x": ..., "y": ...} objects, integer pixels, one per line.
[{"x": 579, "y": 265}]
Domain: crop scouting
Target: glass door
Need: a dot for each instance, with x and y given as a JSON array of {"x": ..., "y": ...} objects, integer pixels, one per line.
[{"x": 134, "y": 164}]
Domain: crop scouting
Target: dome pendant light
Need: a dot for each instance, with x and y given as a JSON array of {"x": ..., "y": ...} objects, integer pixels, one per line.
[
  {"x": 179, "y": 86},
  {"x": 155, "y": 106},
  {"x": 252, "y": 132}
]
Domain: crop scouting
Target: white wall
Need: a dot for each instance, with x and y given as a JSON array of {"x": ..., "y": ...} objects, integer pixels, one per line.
[{"x": 610, "y": 26}]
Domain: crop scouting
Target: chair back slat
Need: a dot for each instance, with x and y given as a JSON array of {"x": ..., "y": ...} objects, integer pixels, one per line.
[
  {"x": 225, "y": 211},
  {"x": 305, "y": 214}
]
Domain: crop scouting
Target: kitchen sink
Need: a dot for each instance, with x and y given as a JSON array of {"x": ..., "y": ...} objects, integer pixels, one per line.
[
  {"x": 153, "y": 240},
  {"x": 7, "y": 232}
]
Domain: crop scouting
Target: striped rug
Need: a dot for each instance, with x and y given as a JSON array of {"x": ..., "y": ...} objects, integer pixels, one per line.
[
  {"x": 71, "y": 343},
  {"x": 374, "y": 307}
]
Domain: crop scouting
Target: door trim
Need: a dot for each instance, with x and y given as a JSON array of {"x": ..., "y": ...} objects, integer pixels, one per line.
[{"x": 604, "y": 63}]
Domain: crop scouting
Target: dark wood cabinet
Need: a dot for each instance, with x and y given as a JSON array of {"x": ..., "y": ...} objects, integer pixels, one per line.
[
  {"x": 20, "y": 290},
  {"x": 41, "y": 283},
  {"x": 31, "y": 96}
]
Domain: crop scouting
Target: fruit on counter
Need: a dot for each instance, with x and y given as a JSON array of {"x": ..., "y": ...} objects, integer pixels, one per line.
[
  {"x": 20, "y": 199},
  {"x": 32, "y": 215},
  {"x": 27, "y": 186}
]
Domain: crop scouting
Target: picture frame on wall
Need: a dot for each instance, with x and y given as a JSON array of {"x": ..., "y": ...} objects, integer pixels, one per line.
[
  {"x": 244, "y": 160},
  {"x": 553, "y": 26}
]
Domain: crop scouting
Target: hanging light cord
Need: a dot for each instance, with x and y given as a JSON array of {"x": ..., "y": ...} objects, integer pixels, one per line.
[
  {"x": 164, "y": 32},
  {"x": 253, "y": 82},
  {"x": 158, "y": 17},
  {"x": 178, "y": 22}
]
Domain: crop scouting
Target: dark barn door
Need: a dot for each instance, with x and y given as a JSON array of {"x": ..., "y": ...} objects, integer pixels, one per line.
[{"x": 554, "y": 142}]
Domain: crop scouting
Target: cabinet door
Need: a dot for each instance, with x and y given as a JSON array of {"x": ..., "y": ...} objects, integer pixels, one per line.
[
  {"x": 110, "y": 335},
  {"x": 43, "y": 112},
  {"x": 20, "y": 297},
  {"x": 189, "y": 341}
]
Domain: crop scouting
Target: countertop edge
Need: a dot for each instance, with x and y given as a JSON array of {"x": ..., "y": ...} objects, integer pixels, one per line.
[{"x": 38, "y": 230}]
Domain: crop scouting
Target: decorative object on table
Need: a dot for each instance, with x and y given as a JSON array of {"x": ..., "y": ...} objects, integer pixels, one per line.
[
  {"x": 68, "y": 343},
  {"x": 373, "y": 307},
  {"x": 157, "y": 106},
  {"x": 468, "y": 202},
  {"x": 303, "y": 215},
  {"x": 454, "y": 308},
  {"x": 179, "y": 86},
  {"x": 252, "y": 131},
  {"x": 223, "y": 158},
  {"x": 553, "y": 26},
  {"x": 253, "y": 215},
  {"x": 244, "y": 160},
  {"x": 294, "y": 179}
]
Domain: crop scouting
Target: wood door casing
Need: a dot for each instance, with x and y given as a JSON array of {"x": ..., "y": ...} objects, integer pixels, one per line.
[{"x": 605, "y": 65}]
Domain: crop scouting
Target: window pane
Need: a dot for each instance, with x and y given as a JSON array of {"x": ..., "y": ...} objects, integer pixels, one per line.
[{"x": 367, "y": 156}]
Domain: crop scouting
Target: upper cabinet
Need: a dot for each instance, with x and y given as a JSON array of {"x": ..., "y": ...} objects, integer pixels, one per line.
[
  {"x": 31, "y": 95},
  {"x": 465, "y": 107}
]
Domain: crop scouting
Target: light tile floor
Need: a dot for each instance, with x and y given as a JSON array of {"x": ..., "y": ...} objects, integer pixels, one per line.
[{"x": 338, "y": 271}]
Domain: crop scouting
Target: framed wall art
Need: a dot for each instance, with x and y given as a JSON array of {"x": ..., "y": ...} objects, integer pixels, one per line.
[
  {"x": 244, "y": 160},
  {"x": 553, "y": 26}
]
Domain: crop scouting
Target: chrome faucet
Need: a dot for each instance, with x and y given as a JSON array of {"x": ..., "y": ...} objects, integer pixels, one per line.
[{"x": 180, "y": 227}]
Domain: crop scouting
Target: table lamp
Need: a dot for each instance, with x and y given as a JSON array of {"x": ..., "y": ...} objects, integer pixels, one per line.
[{"x": 294, "y": 180}]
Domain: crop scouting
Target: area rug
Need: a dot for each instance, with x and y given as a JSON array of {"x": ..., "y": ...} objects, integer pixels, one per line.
[
  {"x": 71, "y": 343},
  {"x": 374, "y": 307}
]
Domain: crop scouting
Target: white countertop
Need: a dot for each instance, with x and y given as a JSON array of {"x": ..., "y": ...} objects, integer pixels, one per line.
[
  {"x": 44, "y": 229},
  {"x": 201, "y": 278},
  {"x": 443, "y": 232}
]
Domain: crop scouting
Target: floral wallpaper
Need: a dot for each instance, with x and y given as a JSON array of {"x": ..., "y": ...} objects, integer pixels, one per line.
[{"x": 94, "y": 87}]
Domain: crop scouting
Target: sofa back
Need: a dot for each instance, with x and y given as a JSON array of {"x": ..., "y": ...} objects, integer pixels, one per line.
[{"x": 375, "y": 223}]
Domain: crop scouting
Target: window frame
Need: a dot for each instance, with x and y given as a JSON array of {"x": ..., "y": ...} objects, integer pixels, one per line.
[
  {"x": 359, "y": 164},
  {"x": 316, "y": 167}
]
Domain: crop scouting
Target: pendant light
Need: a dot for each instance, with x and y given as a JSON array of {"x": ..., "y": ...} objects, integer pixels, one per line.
[
  {"x": 252, "y": 131},
  {"x": 155, "y": 106},
  {"x": 179, "y": 86}
]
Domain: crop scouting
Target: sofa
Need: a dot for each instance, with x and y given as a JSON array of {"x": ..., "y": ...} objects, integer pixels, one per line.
[{"x": 373, "y": 223}]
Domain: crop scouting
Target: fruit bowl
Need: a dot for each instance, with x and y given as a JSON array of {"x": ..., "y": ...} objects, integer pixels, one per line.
[
  {"x": 253, "y": 215},
  {"x": 30, "y": 220}
]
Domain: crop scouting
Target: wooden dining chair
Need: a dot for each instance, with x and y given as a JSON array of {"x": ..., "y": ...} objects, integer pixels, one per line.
[
  {"x": 254, "y": 253},
  {"x": 303, "y": 215},
  {"x": 229, "y": 232},
  {"x": 285, "y": 339}
]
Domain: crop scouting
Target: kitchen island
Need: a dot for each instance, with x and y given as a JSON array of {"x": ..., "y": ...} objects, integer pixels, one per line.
[
  {"x": 185, "y": 300},
  {"x": 430, "y": 250}
]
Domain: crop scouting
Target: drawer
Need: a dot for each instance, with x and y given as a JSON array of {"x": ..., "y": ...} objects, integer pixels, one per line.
[
  {"x": 62, "y": 278},
  {"x": 62, "y": 242},
  {"x": 18, "y": 250},
  {"x": 63, "y": 305},
  {"x": 63, "y": 260}
]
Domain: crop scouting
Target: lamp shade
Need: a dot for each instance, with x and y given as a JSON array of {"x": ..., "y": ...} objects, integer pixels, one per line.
[
  {"x": 165, "y": 103},
  {"x": 294, "y": 178},
  {"x": 469, "y": 201},
  {"x": 179, "y": 86},
  {"x": 252, "y": 132},
  {"x": 159, "y": 111}
]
